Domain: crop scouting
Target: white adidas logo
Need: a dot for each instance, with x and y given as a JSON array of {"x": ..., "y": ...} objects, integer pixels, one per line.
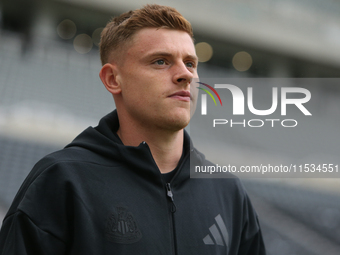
[{"x": 216, "y": 233}]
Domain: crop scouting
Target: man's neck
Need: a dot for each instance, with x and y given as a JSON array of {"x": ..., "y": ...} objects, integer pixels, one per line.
[{"x": 166, "y": 146}]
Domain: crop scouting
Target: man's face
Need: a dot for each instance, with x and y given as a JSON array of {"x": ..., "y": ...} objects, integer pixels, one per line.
[{"x": 155, "y": 77}]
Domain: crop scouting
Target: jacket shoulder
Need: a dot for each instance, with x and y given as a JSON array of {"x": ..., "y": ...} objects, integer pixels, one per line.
[{"x": 58, "y": 170}]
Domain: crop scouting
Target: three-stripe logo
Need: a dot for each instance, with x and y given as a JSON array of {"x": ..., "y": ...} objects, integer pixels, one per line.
[{"x": 220, "y": 233}]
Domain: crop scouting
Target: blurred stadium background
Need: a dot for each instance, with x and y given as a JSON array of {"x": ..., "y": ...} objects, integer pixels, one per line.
[{"x": 50, "y": 90}]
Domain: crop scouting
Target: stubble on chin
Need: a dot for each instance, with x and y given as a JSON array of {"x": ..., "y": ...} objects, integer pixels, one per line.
[{"x": 175, "y": 122}]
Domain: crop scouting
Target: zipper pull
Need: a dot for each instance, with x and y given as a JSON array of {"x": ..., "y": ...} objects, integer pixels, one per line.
[
  {"x": 169, "y": 194},
  {"x": 168, "y": 187}
]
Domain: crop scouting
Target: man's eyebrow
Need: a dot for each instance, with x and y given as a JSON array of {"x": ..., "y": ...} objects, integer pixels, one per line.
[
  {"x": 160, "y": 53},
  {"x": 193, "y": 57},
  {"x": 167, "y": 54},
  {"x": 157, "y": 54}
]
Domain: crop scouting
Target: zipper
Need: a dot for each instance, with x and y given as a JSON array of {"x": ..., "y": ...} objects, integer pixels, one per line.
[
  {"x": 171, "y": 196},
  {"x": 172, "y": 211}
]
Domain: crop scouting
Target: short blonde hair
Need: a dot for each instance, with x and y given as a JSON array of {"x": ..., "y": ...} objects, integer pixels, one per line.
[{"x": 120, "y": 29}]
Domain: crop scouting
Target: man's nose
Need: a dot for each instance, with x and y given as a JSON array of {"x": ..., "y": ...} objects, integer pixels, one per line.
[{"x": 182, "y": 74}]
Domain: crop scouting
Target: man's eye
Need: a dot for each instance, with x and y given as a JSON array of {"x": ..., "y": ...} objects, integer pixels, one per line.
[
  {"x": 160, "y": 62},
  {"x": 190, "y": 64}
]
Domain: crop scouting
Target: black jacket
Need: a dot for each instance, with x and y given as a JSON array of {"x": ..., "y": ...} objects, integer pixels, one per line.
[{"x": 98, "y": 197}]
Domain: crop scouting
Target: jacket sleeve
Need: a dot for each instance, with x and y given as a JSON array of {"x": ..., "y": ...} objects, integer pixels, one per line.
[
  {"x": 20, "y": 236},
  {"x": 251, "y": 239},
  {"x": 36, "y": 223}
]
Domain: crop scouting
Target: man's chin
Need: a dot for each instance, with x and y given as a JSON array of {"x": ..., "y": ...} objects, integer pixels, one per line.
[{"x": 179, "y": 123}]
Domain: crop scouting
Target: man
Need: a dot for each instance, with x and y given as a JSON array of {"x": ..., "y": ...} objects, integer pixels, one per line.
[{"x": 124, "y": 186}]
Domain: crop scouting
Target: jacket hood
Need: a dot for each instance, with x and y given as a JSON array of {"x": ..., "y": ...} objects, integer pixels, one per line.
[{"x": 104, "y": 141}]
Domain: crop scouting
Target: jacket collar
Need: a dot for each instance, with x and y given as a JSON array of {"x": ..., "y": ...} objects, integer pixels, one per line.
[{"x": 104, "y": 141}]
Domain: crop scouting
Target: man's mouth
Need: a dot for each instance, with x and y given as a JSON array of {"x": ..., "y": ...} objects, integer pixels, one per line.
[{"x": 183, "y": 95}]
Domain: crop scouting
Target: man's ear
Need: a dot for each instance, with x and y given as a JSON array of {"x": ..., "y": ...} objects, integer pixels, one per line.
[{"x": 108, "y": 74}]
